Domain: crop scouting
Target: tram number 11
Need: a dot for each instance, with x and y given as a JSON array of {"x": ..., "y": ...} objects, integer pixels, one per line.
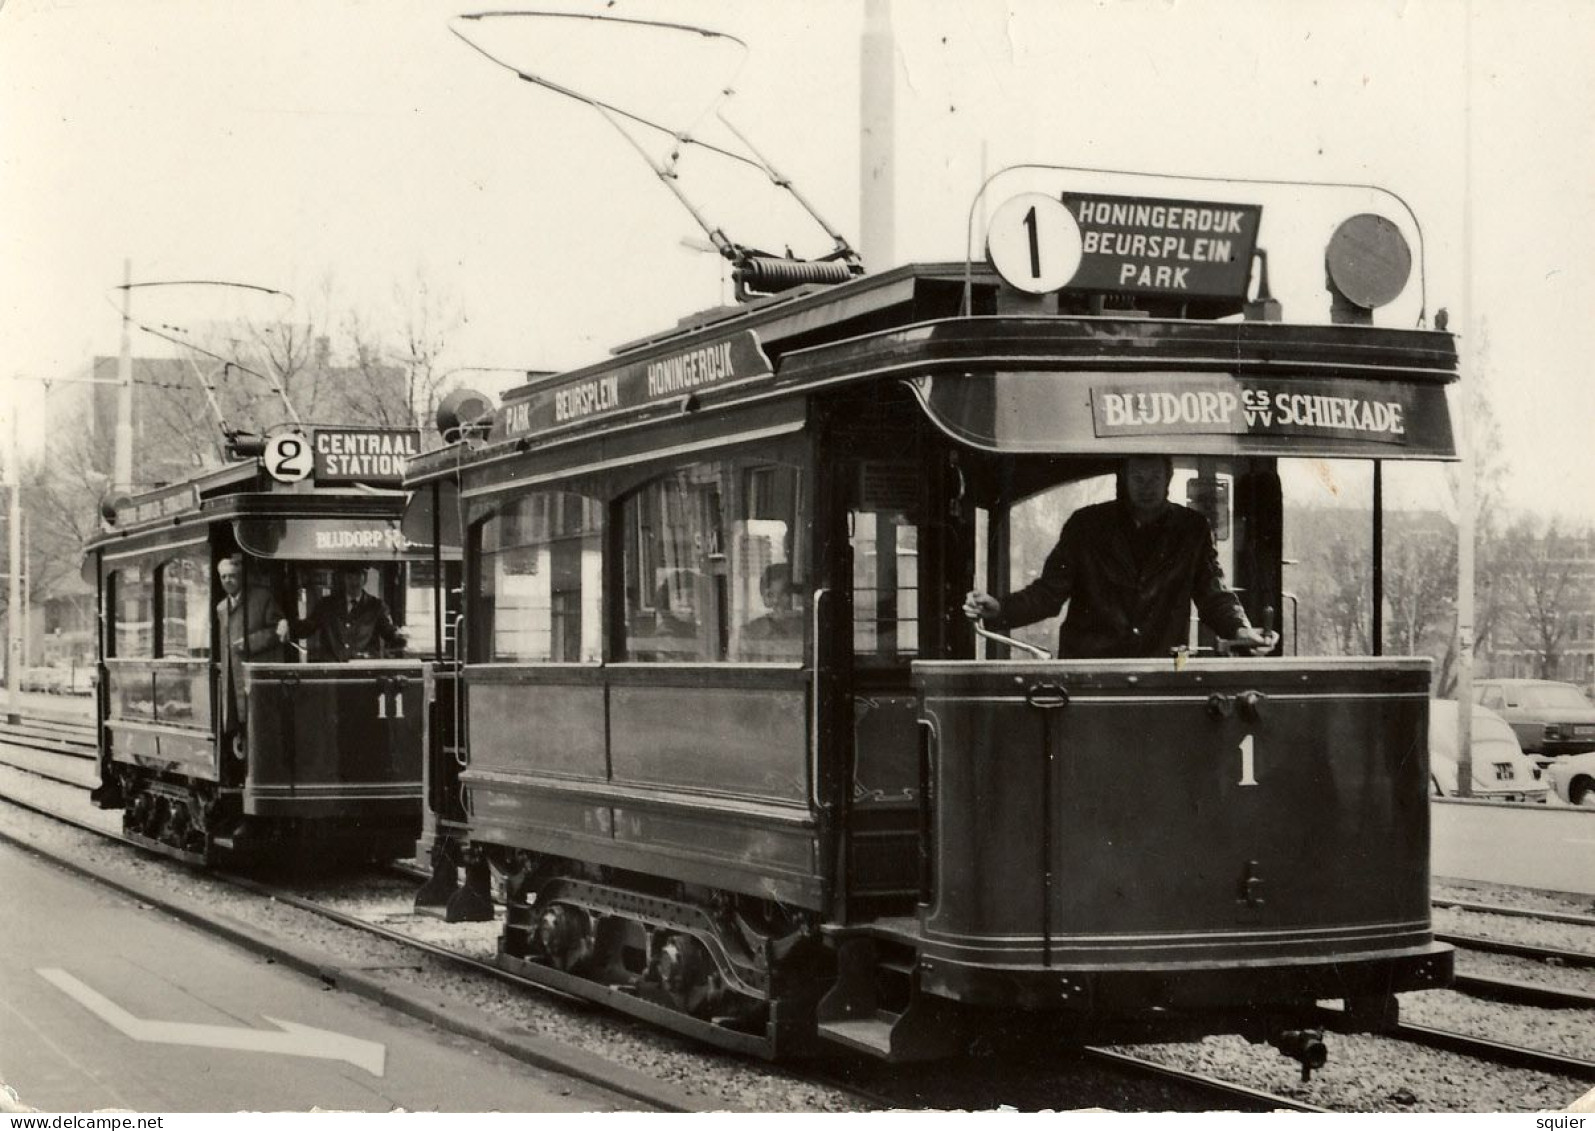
[
  {"x": 382, "y": 704},
  {"x": 1248, "y": 762}
]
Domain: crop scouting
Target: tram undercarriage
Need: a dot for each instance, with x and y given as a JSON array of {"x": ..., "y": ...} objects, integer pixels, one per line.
[
  {"x": 197, "y": 821},
  {"x": 762, "y": 978}
]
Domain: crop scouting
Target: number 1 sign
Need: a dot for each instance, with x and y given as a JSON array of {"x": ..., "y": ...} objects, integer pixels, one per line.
[{"x": 1034, "y": 243}]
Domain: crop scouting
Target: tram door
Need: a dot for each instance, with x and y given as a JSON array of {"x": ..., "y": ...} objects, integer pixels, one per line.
[{"x": 891, "y": 478}]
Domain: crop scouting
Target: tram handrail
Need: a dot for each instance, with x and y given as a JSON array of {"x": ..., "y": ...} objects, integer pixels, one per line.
[{"x": 814, "y": 705}]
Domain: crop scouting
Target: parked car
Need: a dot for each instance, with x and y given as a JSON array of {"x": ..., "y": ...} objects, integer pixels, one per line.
[
  {"x": 1501, "y": 771},
  {"x": 1573, "y": 779},
  {"x": 1551, "y": 719}
]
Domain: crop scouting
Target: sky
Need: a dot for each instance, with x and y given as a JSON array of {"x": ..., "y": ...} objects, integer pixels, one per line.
[{"x": 351, "y": 148}]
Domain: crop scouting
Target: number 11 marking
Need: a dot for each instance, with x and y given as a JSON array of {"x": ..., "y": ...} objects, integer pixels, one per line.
[{"x": 1248, "y": 762}]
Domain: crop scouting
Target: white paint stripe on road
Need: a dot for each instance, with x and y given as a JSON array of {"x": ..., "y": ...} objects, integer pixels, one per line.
[{"x": 293, "y": 1040}]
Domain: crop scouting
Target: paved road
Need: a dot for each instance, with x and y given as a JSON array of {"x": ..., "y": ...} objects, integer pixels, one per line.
[
  {"x": 35, "y": 704},
  {"x": 1548, "y": 846},
  {"x": 107, "y": 1004}
]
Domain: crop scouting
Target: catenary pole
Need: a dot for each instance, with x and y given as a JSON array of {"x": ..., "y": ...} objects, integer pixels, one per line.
[
  {"x": 1466, "y": 378},
  {"x": 14, "y": 581},
  {"x": 876, "y": 166},
  {"x": 122, "y": 479}
]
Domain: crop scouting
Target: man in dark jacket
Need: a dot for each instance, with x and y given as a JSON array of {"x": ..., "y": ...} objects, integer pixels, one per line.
[
  {"x": 1130, "y": 570},
  {"x": 351, "y": 624},
  {"x": 249, "y": 627}
]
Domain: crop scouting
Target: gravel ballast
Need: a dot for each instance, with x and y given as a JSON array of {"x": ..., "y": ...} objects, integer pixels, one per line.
[{"x": 1363, "y": 1073}]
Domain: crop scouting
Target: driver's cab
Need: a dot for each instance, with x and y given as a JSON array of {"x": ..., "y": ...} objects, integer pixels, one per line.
[
  {"x": 300, "y": 585},
  {"x": 924, "y": 519}
]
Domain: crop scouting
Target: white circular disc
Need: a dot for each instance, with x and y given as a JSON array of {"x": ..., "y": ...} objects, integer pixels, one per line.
[
  {"x": 1034, "y": 243},
  {"x": 288, "y": 457}
]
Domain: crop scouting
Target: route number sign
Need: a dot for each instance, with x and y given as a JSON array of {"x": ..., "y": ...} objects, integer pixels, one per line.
[
  {"x": 289, "y": 458},
  {"x": 1034, "y": 243}
]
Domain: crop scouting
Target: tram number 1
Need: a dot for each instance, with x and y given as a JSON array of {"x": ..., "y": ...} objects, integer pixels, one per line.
[
  {"x": 1034, "y": 242},
  {"x": 1248, "y": 762}
]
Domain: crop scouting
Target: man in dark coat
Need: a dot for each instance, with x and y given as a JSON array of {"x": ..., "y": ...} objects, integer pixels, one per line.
[
  {"x": 351, "y": 624},
  {"x": 1130, "y": 570},
  {"x": 249, "y": 628}
]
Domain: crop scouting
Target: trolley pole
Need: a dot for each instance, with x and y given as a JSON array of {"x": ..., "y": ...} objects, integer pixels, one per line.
[{"x": 122, "y": 478}]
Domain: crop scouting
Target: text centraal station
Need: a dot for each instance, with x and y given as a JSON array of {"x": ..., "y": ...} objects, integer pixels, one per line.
[{"x": 359, "y": 455}]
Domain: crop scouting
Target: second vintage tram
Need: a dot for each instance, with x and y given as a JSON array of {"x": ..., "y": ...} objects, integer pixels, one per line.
[
  {"x": 260, "y": 740},
  {"x": 743, "y": 763}
]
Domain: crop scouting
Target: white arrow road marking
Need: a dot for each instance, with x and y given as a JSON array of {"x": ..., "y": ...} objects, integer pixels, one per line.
[{"x": 294, "y": 1040}]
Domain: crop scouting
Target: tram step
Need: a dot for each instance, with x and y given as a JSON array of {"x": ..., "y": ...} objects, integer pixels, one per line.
[{"x": 866, "y": 1034}]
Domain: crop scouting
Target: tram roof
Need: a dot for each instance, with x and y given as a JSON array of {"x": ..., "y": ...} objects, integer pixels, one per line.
[
  {"x": 176, "y": 512},
  {"x": 908, "y": 323}
]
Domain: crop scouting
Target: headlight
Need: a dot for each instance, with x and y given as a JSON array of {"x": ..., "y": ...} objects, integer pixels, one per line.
[{"x": 1553, "y": 732}]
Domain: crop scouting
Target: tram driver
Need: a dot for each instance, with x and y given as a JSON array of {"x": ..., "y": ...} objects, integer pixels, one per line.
[
  {"x": 349, "y": 624},
  {"x": 1130, "y": 570}
]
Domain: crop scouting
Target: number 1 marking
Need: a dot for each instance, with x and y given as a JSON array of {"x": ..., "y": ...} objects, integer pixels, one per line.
[
  {"x": 1248, "y": 762},
  {"x": 1035, "y": 243}
]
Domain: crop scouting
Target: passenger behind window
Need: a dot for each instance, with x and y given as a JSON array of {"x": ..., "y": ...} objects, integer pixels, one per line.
[{"x": 778, "y": 634}]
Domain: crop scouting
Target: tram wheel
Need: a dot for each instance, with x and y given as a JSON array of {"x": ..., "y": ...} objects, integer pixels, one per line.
[
  {"x": 686, "y": 973},
  {"x": 564, "y": 936}
]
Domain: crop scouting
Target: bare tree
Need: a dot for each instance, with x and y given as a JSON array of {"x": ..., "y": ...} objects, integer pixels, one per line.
[
  {"x": 428, "y": 317},
  {"x": 1542, "y": 579},
  {"x": 1420, "y": 582}
]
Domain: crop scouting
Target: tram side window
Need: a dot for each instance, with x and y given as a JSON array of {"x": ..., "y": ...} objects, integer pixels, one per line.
[
  {"x": 133, "y": 612},
  {"x": 884, "y": 533},
  {"x": 185, "y": 609},
  {"x": 713, "y": 564},
  {"x": 420, "y": 608},
  {"x": 540, "y": 577}
]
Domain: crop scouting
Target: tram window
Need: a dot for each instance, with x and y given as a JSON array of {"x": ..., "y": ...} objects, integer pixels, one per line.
[
  {"x": 767, "y": 581},
  {"x": 419, "y": 607},
  {"x": 1034, "y": 524},
  {"x": 1328, "y": 541},
  {"x": 133, "y": 612},
  {"x": 885, "y": 585},
  {"x": 713, "y": 566},
  {"x": 185, "y": 607},
  {"x": 540, "y": 579}
]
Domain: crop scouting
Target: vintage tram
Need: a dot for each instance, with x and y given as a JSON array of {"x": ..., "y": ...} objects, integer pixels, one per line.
[
  {"x": 741, "y": 761},
  {"x": 273, "y": 746}
]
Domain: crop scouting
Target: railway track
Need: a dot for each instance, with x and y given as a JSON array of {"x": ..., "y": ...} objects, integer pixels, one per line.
[
  {"x": 53, "y": 751},
  {"x": 971, "y": 1085}
]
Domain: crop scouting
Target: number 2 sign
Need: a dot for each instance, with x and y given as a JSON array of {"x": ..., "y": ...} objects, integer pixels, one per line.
[
  {"x": 1034, "y": 242},
  {"x": 288, "y": 458}
]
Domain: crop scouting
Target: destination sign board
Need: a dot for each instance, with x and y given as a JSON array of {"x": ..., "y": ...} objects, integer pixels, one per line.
[
  {"x": 347, "y": 538},
  {"x": 363, "y": 455},
  {"x": 157, "y": 504},
  {"x": 1252, "y": 406},
  {"x": 593, "y": 394},
  {"x": 1153, "y": 246}
]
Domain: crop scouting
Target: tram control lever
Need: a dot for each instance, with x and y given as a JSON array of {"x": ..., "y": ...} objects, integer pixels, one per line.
[
  {"x": 1038, "y": 652},
  {"x": 1230, "y": 647}
]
